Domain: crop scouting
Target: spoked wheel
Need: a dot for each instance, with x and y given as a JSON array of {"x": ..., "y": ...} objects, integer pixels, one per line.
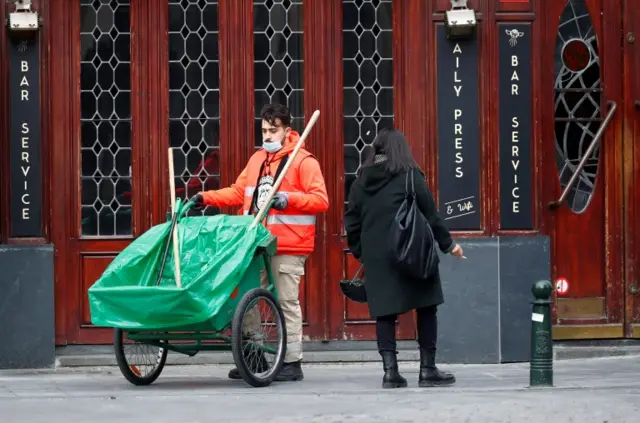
[
  {"x": 259, "y": 337},
  {"x": 140, "y": 363}
]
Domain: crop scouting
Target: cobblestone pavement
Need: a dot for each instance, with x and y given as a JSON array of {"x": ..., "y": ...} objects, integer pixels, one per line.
[{"x": 585, "y": 391}]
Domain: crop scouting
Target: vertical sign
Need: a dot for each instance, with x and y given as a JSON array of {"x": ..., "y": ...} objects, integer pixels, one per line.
[
  {"x": 26, "y": 170},
  {"x": 516, "y": 199},
  {"x": 458, "y": 132}
]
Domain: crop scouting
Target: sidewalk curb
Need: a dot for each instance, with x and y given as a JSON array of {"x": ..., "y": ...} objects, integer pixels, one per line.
[{"x": 345, "y": 356}]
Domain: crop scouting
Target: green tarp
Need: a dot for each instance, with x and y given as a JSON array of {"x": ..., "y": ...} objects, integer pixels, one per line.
[{"x": 215, "y": 252}]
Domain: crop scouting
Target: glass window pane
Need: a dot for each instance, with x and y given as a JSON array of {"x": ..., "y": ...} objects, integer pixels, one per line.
[
  {"x": 368, "y": 78},
  {"x": 278, "y": 57},
  {"x": 194, "y": 97},
  {"x": 105, "y": 109}
]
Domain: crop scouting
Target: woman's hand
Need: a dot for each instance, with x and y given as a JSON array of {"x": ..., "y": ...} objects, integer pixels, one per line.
[{"x": 457, "y": 251}]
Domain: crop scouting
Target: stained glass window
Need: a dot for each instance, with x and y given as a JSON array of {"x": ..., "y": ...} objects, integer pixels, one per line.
[
  {"x": 368, "y": 78},
  {"x": 105, "y": 110},
  {"x": 278, "y": 58},
  {"x": 578, "y": 93},
  {"x": 194, "y": 97}
]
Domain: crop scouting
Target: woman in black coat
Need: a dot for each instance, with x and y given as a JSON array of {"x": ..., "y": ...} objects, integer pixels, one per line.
[{"x": 374, "y": 200}]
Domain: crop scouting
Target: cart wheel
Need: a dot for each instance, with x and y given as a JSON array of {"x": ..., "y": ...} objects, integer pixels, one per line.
[
  {"x": 142, "y": 363},
  {"x": 259, "y": 313}
]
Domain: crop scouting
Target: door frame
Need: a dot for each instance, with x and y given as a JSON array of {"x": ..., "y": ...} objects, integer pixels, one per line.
[{"x": 631, "y": 167}]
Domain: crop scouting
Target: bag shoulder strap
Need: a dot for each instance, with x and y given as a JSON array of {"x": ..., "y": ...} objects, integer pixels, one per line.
[{"x": 406, "y": 185}]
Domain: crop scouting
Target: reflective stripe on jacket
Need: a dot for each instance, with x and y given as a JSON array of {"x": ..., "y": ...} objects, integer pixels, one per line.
[{"x": 295, "y": 226}]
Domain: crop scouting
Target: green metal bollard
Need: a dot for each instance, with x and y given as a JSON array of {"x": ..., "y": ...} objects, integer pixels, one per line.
[{"x": 541, "y": 365}]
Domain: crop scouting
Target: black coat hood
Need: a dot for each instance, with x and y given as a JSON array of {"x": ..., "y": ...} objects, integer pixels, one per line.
[{"x": 375, "y": 177}]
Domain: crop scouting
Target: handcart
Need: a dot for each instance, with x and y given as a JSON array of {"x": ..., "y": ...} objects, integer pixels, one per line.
[
  {"x": 221, "y": 259},
  {"x": 258, "y": 356}
]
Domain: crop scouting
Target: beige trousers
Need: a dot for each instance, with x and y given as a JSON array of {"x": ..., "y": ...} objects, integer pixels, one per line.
[{"x": 287, "y": 271}]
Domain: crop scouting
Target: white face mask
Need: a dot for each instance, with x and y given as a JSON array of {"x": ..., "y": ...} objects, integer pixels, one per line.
[{"x": 272, "y": 147}]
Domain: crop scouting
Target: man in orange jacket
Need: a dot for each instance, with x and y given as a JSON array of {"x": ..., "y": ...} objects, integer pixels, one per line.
[{"x": 292, "y": 218}]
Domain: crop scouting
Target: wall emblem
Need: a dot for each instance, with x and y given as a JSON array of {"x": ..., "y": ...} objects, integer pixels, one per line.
[{"x": 514, "y": 34}]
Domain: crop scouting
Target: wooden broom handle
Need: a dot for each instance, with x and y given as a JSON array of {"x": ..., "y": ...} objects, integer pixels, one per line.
[{"x": 174, "y": 234}]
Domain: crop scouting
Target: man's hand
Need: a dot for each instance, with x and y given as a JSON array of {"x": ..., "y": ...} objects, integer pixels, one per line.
[
  {"x": 198, "y": 202},
  {"x": 281, "y": 201},
  {"x": 457, "y": 251}
]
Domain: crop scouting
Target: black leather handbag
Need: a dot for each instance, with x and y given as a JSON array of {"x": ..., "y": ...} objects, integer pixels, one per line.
[
  {"x": 354, "y": 289},
  {"x": 412, "y": 246}
]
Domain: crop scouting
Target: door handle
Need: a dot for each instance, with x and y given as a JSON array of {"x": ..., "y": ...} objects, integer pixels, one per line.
[
  {"x": 633, "y": 290},
  {"x": 637, "y": 104},
  {"x": 596, "y": 141}
]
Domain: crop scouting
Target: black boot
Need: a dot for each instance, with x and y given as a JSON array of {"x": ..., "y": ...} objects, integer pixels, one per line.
[
  {"x": 291, "y": 372},
  {"x": 392, "y": 378},
  {"x": 429, "y": 373}
]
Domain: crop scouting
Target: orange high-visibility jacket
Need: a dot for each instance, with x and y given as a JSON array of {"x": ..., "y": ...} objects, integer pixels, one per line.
[{"x": 295, "y": 226}]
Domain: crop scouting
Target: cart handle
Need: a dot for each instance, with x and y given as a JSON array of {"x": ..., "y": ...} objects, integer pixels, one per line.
[{"x": 184, "y": 208}]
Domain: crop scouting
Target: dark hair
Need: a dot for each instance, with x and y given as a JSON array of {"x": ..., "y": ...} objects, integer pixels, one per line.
[
  {"x": 392, "y": 144},
  {"x": 271, "y": 112}
]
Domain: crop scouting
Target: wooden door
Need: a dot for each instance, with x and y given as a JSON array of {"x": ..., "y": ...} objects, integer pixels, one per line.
[
  {"x": 226, "y": 59},
  {"x": 581, "y": 86},
  {"x": 134, "y": 78},
  {"x": 631, "y": 149},
  {"x": 136, "y": 95},
  {"x": 368, "y": 54},
  {"x": 100, "y": 167}
]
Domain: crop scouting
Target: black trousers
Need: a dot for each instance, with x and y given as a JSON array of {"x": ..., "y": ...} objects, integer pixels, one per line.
[{"x": 427, "y": 330}]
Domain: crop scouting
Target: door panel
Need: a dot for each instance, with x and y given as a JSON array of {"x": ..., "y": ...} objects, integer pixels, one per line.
[
  {"x": 91, "y": 268},
  {"x": 278, "y": 69},
  {"x": 194, "y": 93},
  {"x": 107, "y": 212},
  {"x": 368, "y": 105},
  {"x": 584, "y": 225}
]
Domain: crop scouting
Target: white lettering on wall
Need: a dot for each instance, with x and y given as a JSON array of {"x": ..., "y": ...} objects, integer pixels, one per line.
[
  {"x": 456, "y": 80},
  {"x": 24, "y": 93},
  {"x": 459, "y": 208},
  {"x": 457, "y": 114},
  {"x": 25, "y": 160},
  {"x": 515, "y": 139}
]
